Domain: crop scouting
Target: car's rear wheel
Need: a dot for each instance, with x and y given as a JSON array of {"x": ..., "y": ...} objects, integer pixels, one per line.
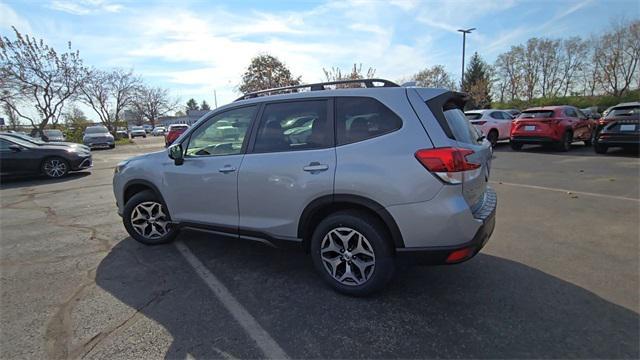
[
  {"x": 599, "y": 148},
  {"x": 565, "y": 143},
  {"x": 147, "y": 220},
  {"x": 516, "y": 146},
  {"x": 351, "y": 252},
  {"x": 55, "y": 167},
  {"x": 492, "y": 136}
]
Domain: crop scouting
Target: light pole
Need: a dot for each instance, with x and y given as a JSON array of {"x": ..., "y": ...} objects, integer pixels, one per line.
[{"x": 464, "y": 40}]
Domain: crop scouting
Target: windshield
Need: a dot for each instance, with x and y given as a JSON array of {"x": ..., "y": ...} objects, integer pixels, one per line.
[
  {"x": 624, "y": 111},
  {"x": 56, "y": 133},
  {"x": 473, "y": 116},
  {"x": 137, "y": 128},
  {"x": 536, "y": 114},
  {"x": 96, "y": 130}
]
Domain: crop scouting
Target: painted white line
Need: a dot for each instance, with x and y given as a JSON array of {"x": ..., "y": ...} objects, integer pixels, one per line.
[
  {"x": 566, "y": 191},
  {"x": 265, "y": 342}
]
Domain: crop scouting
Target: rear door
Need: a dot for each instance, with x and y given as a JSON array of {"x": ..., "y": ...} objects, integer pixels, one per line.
[
  {"x": 290, "y": 162},
  {"x": 448, "y": 127}
]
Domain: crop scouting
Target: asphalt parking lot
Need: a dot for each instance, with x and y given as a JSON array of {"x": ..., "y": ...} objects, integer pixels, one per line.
[{"x": 558, "y": 279}]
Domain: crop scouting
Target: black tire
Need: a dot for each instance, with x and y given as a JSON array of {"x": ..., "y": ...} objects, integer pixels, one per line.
[
  {"x": 492, "y": 136},
  {"x": 378, "y": 239},
  {"x": 145, "y": 136},
  {"x": 147, "y": 196},
  {"x": 564, "y": 144},
  {"x": 112, "y": 146},
  {"x": 599, "y": 148},
  {"x": 60, "y": 165},
  {"x": 516, "y": 146}
]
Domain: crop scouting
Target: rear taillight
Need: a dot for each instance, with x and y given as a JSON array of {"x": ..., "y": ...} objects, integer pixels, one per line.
[
  {"x": 479, "y": 122},
  {"x": 449, "y": 164}
]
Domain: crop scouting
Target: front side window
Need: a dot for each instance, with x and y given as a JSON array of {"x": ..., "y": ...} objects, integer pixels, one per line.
[
  {"x": 360, "y": 119},
  {"x": 223, "y": 134},
  {"x": 570, "y": 112},
  {"x": 291, "y": 126}
]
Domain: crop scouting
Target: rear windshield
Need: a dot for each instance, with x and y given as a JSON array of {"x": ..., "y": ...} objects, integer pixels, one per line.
[
  {"x": 96, "y": 130},
  {"x": 473, "y": 116},
  {"x": 53, "y": 132},
  {"x": 536, "y": 114},
  {"x": 624, "y": 111},
  {"x": 461, "y": 128},
  {"x": 179, "y": 127}
]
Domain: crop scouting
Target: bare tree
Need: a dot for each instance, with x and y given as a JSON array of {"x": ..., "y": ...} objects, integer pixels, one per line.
[
  {"x": 509, "y": 69},
  {"x": 34, "y": 74},
  {"x": 616, "y": 57},
  {"x": 530, "y": 68},
  {"x": 575, "y": 51},
  {"x": 336, "y": 74},
  {"x": 12, "y": 116},
  {"x": 153, "y": 102},
  {"x": 109, "y": 93},
  {"x": 434, "y": 77},
  {"x": 548, "y": 53}
]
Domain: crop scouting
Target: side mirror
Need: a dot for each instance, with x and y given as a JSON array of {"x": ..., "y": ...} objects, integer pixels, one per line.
[
  {"x": 176, "y": 153},
  {"x": 15, "y": 148}
]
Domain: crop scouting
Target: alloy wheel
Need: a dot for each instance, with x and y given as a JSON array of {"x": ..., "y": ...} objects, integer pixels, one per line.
[
  {"x": 347, "y": 256},
  {"x": 149, "y": 221},
  {"x": 55, "y": 168}
]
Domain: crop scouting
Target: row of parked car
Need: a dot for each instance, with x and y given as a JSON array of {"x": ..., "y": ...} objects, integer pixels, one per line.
[{"x": 560, "y": 126}]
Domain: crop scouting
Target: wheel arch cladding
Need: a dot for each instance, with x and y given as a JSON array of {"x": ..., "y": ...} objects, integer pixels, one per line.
[
  {"x": 322, "y": 207},
  {"x": 135, "y": 186}
]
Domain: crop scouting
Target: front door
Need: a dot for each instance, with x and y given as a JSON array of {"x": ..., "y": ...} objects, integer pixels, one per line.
[
  {"x": 204, "y": 189},
  {"x": 292, "y": 162}
]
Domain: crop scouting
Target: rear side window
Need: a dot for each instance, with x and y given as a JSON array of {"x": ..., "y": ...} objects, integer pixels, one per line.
[
  {"x": 359, "y": 118},
  {"x": 292, "y": 126},
  {"x": 461, "y": 128}
]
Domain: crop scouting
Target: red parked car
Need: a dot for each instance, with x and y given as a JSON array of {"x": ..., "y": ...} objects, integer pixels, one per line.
[
  {"x": 552, "y": 125},
  {"x": 174, "y": 132}
]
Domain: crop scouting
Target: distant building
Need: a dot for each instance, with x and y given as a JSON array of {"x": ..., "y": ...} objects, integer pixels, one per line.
[{"x": 189, "y": 119}]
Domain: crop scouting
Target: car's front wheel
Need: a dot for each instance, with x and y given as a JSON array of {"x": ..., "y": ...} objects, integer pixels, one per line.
[
  {"x": 516, "y": 146},
  {"x": 600, "y": 149},
  {"x": 352, "y": 253},
  {"x": 55, "y": 167},
  {"x": 147, "y": 220}
]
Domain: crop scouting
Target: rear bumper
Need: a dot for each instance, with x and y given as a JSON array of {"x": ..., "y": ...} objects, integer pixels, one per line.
[
  {"x": 532, "y": 139},
  {"x": 618, "y": 139},
  {"x": 438, "y": 255}
]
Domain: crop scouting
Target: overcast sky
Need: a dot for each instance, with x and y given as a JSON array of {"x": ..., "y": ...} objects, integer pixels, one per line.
[{"x": 194, "y": 47}]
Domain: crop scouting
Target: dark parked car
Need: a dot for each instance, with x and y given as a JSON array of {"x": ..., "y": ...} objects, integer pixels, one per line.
[
  {"x": 35, "y": 141},
  {"x": 49, "y": 135},
  {"x": 19, "y": 157},
  {"x": 619, "y": 128},
  {"x": 98, "y": 137}
]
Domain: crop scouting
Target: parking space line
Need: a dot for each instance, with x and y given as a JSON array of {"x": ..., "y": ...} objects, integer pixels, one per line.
[
  {"x": 265, "y": 342},
  {"x": 566, "y": 191}
]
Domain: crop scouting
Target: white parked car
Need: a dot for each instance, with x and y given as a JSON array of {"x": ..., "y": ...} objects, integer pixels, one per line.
[
  {"x": 137, "y": 131},
  {"x": 494, "y": 124},
  {"x": 158, "y": 131}
]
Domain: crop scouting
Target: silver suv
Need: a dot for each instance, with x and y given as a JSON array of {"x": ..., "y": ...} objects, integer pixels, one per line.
[{"x": 358, "y": 177}]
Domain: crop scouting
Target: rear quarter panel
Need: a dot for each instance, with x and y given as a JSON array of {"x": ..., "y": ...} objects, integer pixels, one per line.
[{"x": 384, "y": 168}]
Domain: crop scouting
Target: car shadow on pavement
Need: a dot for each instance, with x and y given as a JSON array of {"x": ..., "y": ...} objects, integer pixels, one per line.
[
  {"x": 489, "y": 307},
  {"x": 28, "y": 181}
]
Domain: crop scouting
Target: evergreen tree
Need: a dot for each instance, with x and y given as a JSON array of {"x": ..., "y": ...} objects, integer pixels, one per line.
[
  {"x": 192, "y": 105},
  {"x": 204, "y": 106},
  {"x": 477, "y": 83}
]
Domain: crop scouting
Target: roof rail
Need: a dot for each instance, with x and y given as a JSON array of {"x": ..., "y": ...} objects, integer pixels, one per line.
[{"x": 369, "y": 83}]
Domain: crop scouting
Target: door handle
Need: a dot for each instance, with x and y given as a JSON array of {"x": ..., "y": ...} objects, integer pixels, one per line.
[
  {"x": 315, "y": 166},
  {"x": 227, "y": 169}
]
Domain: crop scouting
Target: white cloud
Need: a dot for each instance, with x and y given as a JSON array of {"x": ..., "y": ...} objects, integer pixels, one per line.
[
  {"x": 9, "y": 18},
  {"x": 84, "y": 7}
]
